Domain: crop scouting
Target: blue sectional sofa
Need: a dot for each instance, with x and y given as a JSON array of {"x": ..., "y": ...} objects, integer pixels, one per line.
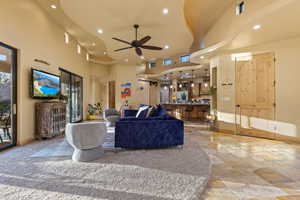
[{"x": 158, "y": 131}]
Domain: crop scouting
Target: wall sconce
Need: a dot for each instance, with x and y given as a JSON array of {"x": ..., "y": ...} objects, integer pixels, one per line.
[
  {"x": 41, "y": 61},
  {"x": 227, "y": 84}
]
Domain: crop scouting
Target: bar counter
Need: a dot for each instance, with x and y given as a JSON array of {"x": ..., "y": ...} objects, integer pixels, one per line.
[{"x": 188, "y": 111}]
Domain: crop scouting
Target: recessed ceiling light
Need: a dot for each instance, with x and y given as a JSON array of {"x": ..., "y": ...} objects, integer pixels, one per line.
[
  {"x": 100, "y": 31},
  {"x": 165, "y": 11},
  {"x": 256, "y": 27},
  {"x": 202, "y": 57},
  {"x": 94, "y": 44},
  {"x": 167, "y": 46},
  {"x": 53, "y": 6},
  {"x": 142, "y": 57},
  {"x": 78, "y": 49},
  {"x": 104, "y": 53},
  {"x": 67, "y": 38}
]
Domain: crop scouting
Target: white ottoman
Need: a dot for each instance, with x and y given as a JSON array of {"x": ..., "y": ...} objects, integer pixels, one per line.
[{"x": 86, "y": 139}]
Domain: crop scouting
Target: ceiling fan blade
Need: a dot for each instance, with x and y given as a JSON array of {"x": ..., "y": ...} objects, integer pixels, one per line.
[
  {"x": 144, "y": 40},
  {"x": 122, "y": 41},
  {"x": 124, "y": 48},
  {"x": 138, "y": 51},
  {"x": 151, "y": 47}
]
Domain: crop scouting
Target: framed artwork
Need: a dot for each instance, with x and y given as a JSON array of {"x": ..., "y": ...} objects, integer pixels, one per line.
[{"x": 125, "y": 90}]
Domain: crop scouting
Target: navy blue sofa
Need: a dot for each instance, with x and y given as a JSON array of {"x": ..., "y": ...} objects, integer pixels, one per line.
[{"x": 159, "y": 131}]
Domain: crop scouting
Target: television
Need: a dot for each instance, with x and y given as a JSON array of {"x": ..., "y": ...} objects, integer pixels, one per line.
[{"x": 45, "y": 85}]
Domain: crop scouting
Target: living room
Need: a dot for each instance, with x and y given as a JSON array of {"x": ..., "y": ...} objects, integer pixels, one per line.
[{"x": 167, "y": 101}]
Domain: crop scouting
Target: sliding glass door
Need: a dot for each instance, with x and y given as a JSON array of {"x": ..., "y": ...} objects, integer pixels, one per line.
[
  {"x": 8, "y": 96},
  {"x": 71, "y": 87}
]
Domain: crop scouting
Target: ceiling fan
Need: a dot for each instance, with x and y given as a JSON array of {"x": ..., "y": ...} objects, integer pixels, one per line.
[{"x": 138, "y": 44}]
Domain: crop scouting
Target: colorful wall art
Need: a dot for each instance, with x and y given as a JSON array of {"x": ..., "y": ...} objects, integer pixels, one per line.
[{"x": 126, "y": 90}]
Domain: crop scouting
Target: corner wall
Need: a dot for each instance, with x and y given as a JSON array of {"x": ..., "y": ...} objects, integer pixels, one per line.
[{"x": 25, "y": 26}]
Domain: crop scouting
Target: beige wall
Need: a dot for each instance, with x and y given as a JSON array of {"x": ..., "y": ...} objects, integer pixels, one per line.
[
  {"x": 287, "y": 66},
  {"x": 27, "y": 27},
  {"x": 127, "y": 74}
]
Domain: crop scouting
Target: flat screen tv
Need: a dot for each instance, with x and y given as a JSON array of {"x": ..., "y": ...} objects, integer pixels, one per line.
[{"x": 45, "y": 85}]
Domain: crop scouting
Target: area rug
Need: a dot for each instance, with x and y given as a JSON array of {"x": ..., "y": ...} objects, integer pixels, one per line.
[
  {"x": 62, "y": 148},
  {"x": 44, "y": 170}
]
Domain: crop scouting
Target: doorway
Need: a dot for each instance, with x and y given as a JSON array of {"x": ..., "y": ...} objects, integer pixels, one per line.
[
  {"x": 112, "y": 94},
  {"x": 255, "y": 95},
  {"x": 72, "y": 89},
  {"x": 8, "y": 96}
]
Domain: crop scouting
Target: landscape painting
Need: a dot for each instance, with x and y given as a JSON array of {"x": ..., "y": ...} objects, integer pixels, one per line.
[{"x": 45, "y": 85}]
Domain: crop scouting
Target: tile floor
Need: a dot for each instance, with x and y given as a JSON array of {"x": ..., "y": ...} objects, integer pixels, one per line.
[{"x": 246, "y": 168}]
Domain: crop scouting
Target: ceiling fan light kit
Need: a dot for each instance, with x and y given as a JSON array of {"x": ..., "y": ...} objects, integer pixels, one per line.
[{"x": 137, "y": 44}]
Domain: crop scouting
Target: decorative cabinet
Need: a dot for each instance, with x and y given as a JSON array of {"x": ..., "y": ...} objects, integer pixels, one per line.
[{"x": 50, "y": 119}]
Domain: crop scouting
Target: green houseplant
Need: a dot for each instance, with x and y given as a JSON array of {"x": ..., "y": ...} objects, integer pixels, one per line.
[{"x": 95, "y": 111}]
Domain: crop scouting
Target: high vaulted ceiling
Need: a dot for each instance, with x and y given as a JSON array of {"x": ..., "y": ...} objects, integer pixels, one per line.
[
  {"x": 117, "y": 18},
  {"x": 202, "y": 14},
  {"x": 186, "y": 21}
]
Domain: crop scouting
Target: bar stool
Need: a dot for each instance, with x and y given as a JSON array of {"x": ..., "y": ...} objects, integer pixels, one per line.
[
  {"x": 188, "y": 111},
  {"x": 169, "y": 110},
  {"x": 204, "y": 114},
  {"x": 181, "y": 112}
]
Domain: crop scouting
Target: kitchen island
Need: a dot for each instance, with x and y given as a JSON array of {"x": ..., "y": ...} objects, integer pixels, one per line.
[{"x": 188, "y": 111}]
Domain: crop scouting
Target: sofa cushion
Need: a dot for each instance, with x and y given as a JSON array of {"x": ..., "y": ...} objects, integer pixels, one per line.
[
  {"x": 163, "y": 117},
  {"x": 143, "y": 111}
]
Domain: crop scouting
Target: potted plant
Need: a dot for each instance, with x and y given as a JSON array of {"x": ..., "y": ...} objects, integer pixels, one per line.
[{"x": 95, "y": 111}]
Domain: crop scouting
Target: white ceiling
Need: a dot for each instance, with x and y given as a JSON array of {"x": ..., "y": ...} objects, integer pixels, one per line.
[
  {"x": 187, "y": 22},
  {"x": 117, "y": 18},
  {"x": 281, "y": 24},
  {"x": 278, "y": 22},
  {"x": 202, "y": 15}
]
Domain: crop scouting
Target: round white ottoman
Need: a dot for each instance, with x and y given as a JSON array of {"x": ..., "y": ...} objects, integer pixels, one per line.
[{"x": 86, "y": 139}]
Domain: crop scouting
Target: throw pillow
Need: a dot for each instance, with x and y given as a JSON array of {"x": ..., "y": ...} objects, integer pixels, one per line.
[
  {"x": 150, "y": 111},
  {"x": 160, "y": 110},
  {"x": 142, "y": 113},
  {"x": 154, "y": 111}
]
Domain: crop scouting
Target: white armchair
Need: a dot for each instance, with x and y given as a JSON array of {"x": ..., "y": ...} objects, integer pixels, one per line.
[{"x": 86, "y": 139}]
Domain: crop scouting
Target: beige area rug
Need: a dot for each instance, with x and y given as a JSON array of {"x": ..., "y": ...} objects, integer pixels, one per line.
[{"x": 44, "y": 171}]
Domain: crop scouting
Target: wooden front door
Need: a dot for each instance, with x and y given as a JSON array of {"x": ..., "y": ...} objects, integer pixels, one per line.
[
  {"x": 255, "y": 95},
  {"x": 112, "y": 94}
]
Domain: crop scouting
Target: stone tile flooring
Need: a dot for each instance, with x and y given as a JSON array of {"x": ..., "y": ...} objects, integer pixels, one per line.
[{"x": 246, "y": 168}]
